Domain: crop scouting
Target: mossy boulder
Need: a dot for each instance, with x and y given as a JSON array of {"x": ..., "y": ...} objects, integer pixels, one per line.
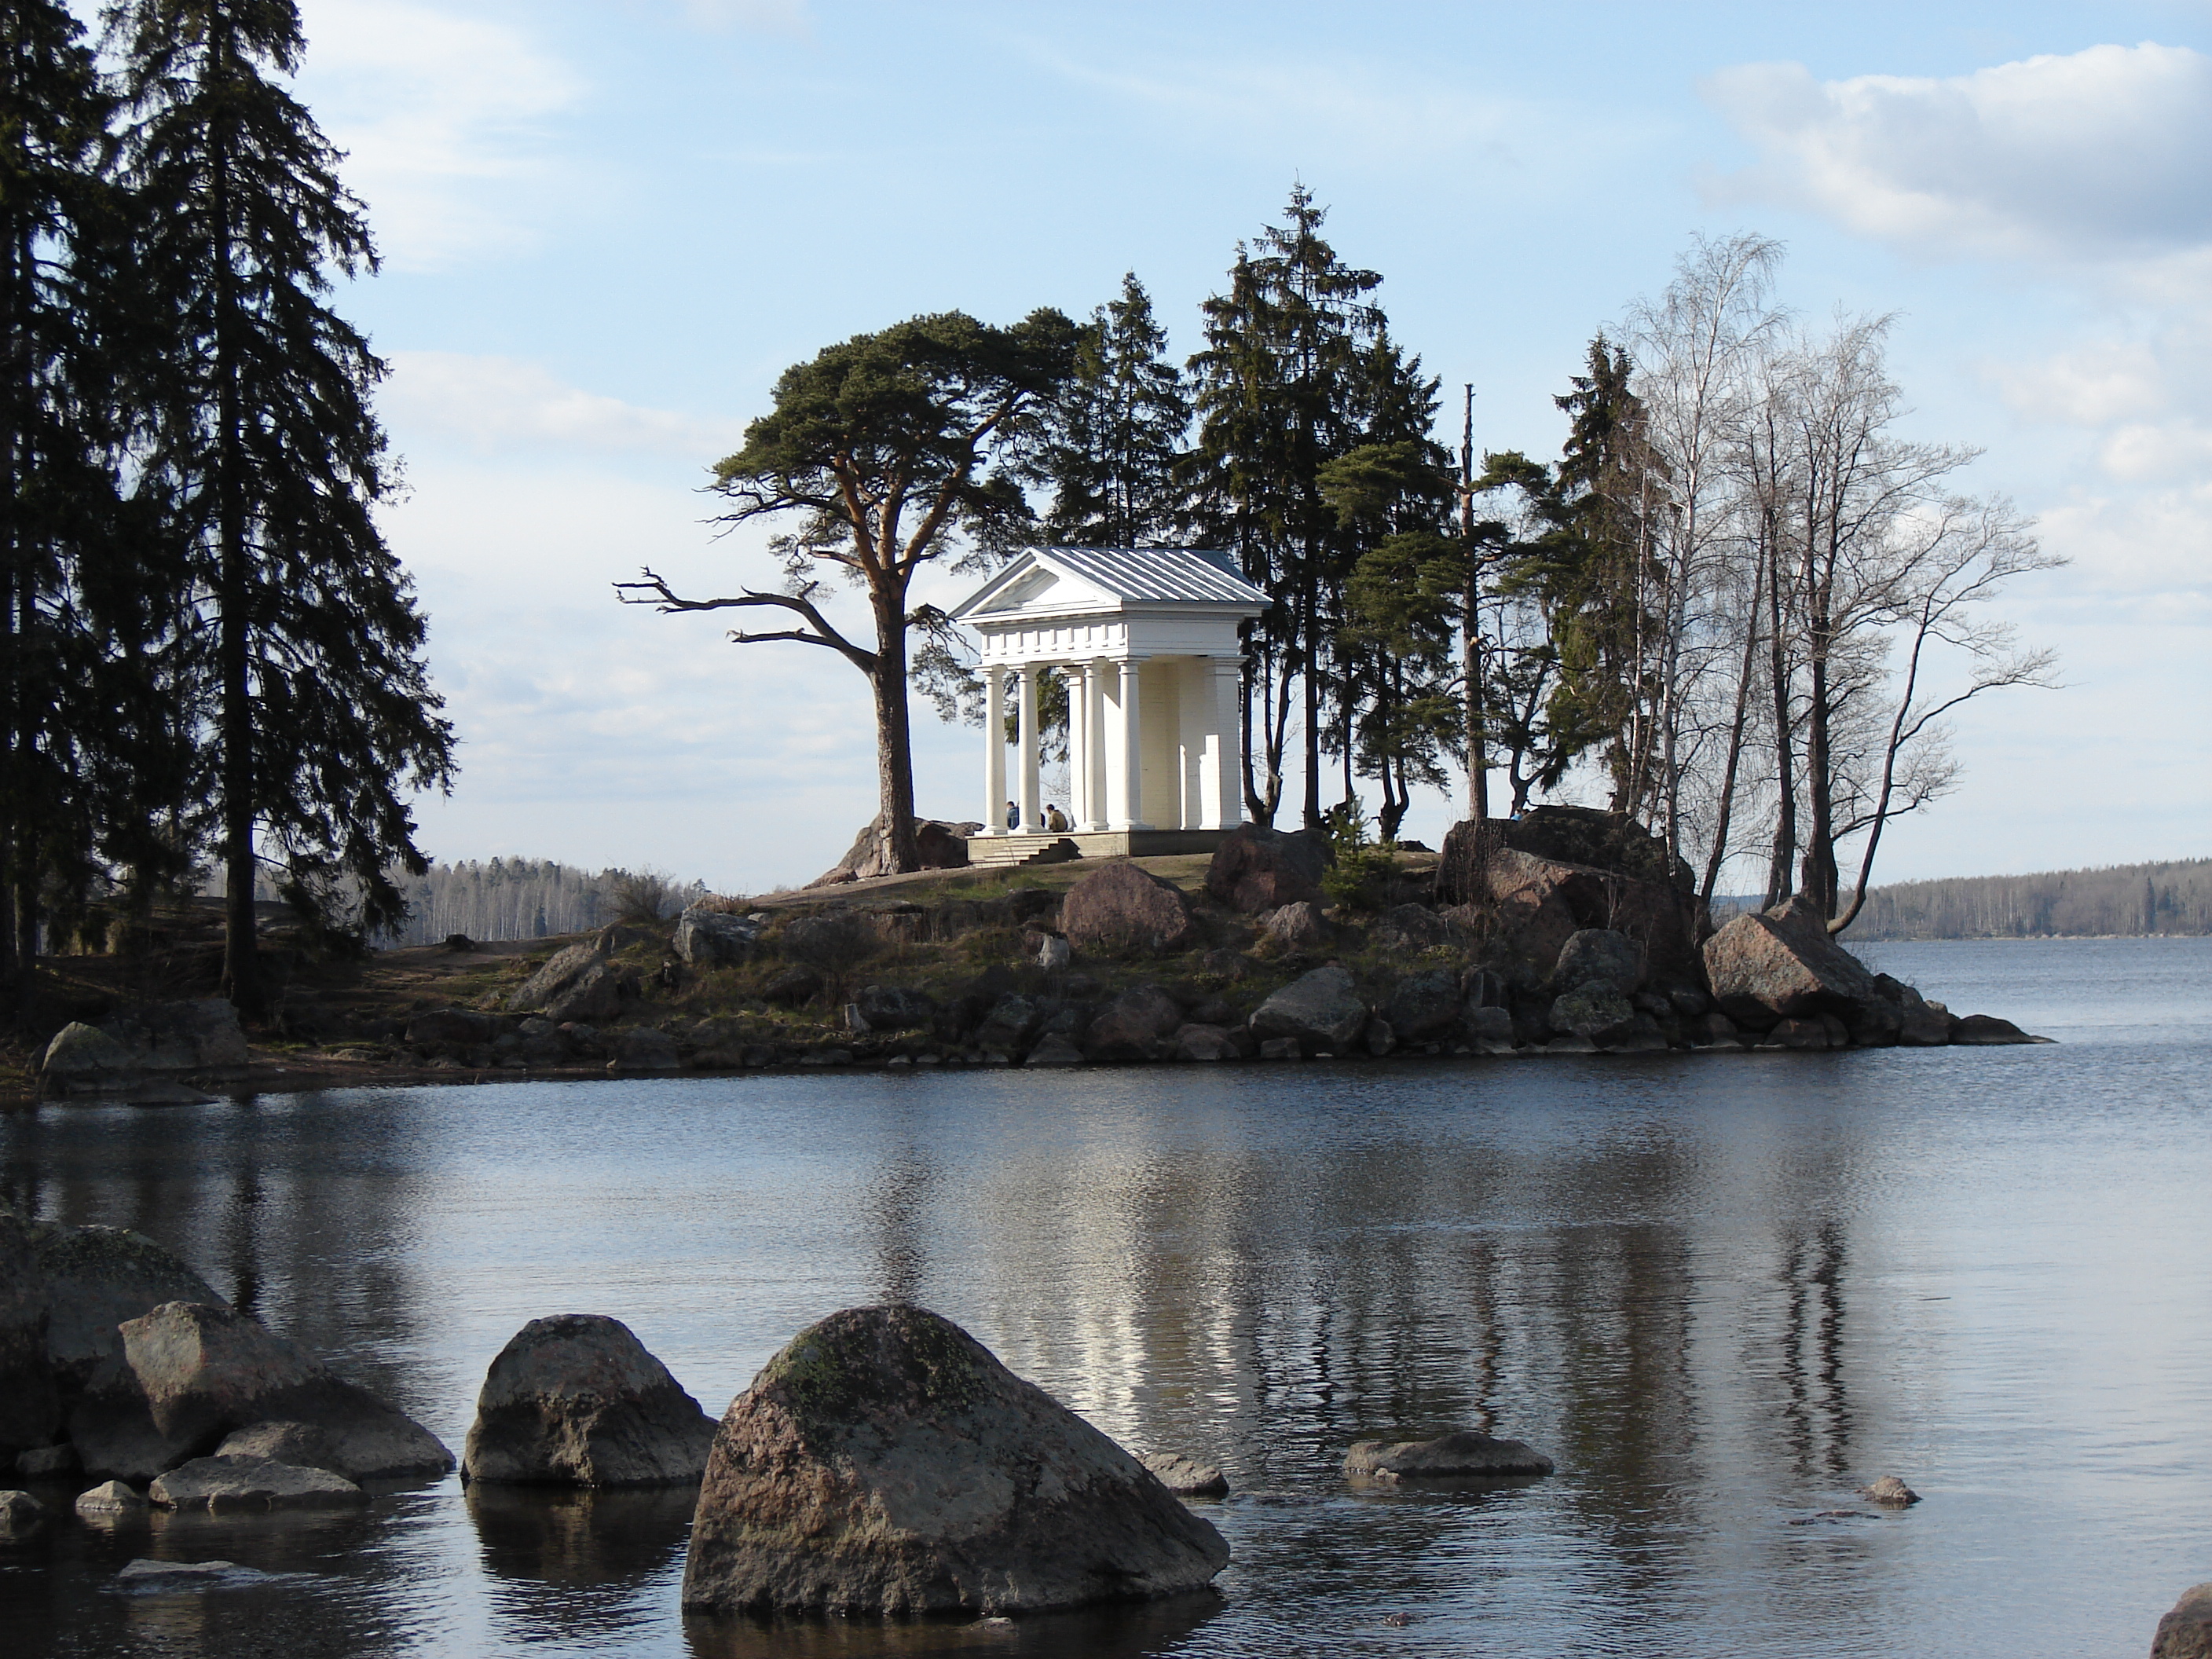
[{"x": 885, "y": 1463}]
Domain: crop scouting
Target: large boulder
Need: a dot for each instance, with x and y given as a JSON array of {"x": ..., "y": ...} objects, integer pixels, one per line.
[
  {"x": 1598, "y": 955},
  {"x": 82, "y": 1058},
  {"x": 576, "y": 1401},
  {"x": 895, "y": 1008},
  {"x": 203, "y": 1034},
  {"x": 94, "y": 1279},
  {"x": 1133, "y": 1025},
  {"x": 2186, "y": 1633},
  {"x": 188, "y": 1374},
  {"x": 1256, "y": 868},
  {"x": 1537, "y": 880},
  {"x": 1467, "y": 1451},
  {"x": 1783, "y": 964},
  {"x": 943, "y": 847},
  {"x": 1595, "y": 1010},
  {"x": 558, "y": 977},
  {"x": 1322, "y": 1012},
  {"x": 1295, "y": 927},
  {"x": 30, "y": 1409},
  {"x": 145, "y": 1039},
  {"x": 715, "y": 939},
  {"x": 1122, "y": 909},
  {"x": 1424, "y": 1006},
  {"x": 593, "y": 995},
  {"x": 886, "y": 1463}
]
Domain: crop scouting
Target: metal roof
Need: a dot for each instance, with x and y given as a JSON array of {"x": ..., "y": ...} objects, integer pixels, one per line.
[{"x": 1167, "y": 575}]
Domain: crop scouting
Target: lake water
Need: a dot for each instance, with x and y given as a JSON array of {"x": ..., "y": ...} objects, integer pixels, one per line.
[{"x": 1721, "y": 1290}]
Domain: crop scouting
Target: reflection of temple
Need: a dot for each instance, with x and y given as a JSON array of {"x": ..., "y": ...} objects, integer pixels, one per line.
[{"x": 1146, "y": 640}]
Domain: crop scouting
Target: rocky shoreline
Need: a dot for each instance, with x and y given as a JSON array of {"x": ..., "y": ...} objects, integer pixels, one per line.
[{"x": 1559, "y": 932}]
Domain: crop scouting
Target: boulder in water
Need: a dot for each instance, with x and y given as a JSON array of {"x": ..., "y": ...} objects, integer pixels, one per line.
[
  {"x": 1783, "y": 964},
  {"x": 109, "y": 1501},
  {"x": 21, "y": 1514},
  {"x": 2186, "y": 1633},
  {"x": 576, "y": 1401},
  {"x": 251, "y": 1483},
  {"x": 95, "y": 1279},
  {"x": 1186, "y": 1477},
  {"x": 189, "y": 1374},
  {"x": 886, "y": 1463},
  {"x": 1467, "y": 1451}
]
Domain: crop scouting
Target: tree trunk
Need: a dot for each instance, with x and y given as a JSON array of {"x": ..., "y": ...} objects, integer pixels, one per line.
[
  {"x": 1478, "y": 753},
  {"x": 1309, "y": 692},
  {"x": 241, "y": 963},
  {"x": 1718, "y": 856},
  {"x": 1785, "y": 780},
  {"x": 894, "y": 757}
]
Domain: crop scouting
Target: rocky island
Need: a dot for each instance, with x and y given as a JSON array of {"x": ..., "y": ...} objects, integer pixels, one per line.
[{"x": 1559, "y": 932}]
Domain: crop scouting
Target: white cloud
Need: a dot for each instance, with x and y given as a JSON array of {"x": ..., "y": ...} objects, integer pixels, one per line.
[
  {"x": 2143, "y": 552},
  {"x": 2097, "y": 153},
  {"x": 442, "y": 116},
  {"x": 506, "y": 403}
]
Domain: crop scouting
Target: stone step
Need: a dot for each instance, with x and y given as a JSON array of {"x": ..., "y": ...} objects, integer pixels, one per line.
[{"x": 1019, "y": 852}]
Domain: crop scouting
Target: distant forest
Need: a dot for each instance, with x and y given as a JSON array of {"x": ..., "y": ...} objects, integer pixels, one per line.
[
  {"x": 2173, "y": 897},
  {"x": 528, "y": 898}
]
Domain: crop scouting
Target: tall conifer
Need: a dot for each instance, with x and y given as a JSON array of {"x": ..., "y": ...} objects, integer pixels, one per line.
[
  {"x": 1281, "y": 386},
  {"x": 1116, "y": 452},
  {"x": 267, "y": 462},
  {"x": 74, "y": 602}
]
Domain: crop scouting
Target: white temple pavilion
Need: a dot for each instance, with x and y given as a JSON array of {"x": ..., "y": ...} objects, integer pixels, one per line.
[{"x": 1147, "y": 640}]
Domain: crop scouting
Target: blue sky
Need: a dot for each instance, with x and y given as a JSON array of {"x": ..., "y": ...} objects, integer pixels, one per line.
[{"x": 608, "y": 226}]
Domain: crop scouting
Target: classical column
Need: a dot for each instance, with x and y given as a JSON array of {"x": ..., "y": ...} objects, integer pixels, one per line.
[
  {"x": 1079, "y": 745},
  {"x": 1225, "y": 784},
  {"x": 1026, "y": 735},
  {"x": 995, "y": 753},
  {"x": 1132, "y": 751},
  {"x": 1094, "y": 702}
]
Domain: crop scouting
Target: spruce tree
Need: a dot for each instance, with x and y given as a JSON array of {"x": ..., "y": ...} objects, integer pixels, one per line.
[
  {"x": 267, "y": 463},
  {"x": 1117, "y": 447},
  {"x": 82, "y": 603},
  {"x": 1281, "y": 389},
  {"x": 1605, "y": 622}
]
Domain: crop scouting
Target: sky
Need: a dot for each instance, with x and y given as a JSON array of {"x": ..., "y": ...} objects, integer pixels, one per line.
[{"x": 607, "y": 226}]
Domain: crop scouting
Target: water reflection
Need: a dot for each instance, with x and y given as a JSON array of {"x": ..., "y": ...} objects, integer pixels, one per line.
[
  {"x": 1720, "y": 1294},
  {"x": 1112, "y": 1632},
  {"x": 560, "y": 1561}
]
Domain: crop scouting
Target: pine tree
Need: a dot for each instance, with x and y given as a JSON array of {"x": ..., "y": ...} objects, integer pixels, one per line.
[
  {"x": 1117, "y": 448},
  {"x": 1398, "y": 716},
  {"x": 891, "y": 451},
  {"x": 267, "y": 463}
]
